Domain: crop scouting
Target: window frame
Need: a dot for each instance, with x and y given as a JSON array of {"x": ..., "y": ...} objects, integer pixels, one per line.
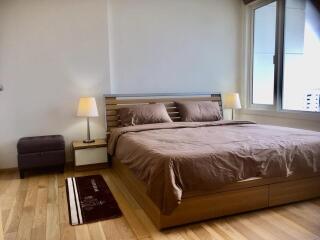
[
  {"x": 253, "y": 7},
  {"x": 277, "y": 108}
]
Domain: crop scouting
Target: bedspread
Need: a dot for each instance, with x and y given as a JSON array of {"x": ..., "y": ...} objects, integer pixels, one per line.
[{"x": 181, "y": 157}]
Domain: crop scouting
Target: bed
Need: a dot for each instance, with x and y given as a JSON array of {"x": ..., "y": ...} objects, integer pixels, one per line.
[{"x": 184, "y": 172}]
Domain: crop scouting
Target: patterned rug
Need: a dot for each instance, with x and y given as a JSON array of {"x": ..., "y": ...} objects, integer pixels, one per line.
[{"x": 90, "y": 200}]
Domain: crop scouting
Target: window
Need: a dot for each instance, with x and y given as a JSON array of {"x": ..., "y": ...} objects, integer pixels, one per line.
[
  {"x": 285, "y": 55},
  {"x": 263, "y": 54}
]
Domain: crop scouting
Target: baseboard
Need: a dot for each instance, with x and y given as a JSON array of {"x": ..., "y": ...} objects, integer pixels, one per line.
[{"x": 14, "y": 169}]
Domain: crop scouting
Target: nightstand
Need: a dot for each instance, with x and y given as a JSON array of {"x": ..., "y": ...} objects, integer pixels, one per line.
[{"x": 89, "y": 156}]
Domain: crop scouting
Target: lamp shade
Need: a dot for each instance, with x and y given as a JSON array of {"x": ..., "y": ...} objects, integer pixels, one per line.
[
  {"x": 232, "y": 100},
  {"x": 87, "y": 107}
]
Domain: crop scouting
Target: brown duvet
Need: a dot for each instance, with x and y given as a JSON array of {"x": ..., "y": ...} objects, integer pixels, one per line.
[{"x": 174, "y": 159}]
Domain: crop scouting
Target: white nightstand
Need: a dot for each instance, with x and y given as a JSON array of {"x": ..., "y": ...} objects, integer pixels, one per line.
[{"x": 90, "y": 155}]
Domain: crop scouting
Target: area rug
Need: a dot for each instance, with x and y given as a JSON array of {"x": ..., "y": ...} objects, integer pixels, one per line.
[{"x": 90, "y": 200}]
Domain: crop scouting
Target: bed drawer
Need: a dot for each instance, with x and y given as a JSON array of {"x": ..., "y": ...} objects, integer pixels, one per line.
[
  {"x": 292, "y": 191},
  {"x": 216, "y": 205}
]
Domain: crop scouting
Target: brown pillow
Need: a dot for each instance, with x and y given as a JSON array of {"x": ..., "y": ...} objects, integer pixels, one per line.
[
  {"x": 202, "y": 111},
  {"x": 144, "y": 114}
]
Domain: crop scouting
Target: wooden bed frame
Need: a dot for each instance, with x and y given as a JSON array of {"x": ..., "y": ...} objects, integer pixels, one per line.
[{"x": 247, "y": 195}]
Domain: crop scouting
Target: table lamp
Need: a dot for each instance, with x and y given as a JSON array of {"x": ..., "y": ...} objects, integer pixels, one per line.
[
  {"x": 88, "y": 108},
  {"x": 232, "y": 101}
]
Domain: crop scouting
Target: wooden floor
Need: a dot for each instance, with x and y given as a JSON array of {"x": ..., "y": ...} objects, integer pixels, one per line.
[{"x": 36, "y": 208}]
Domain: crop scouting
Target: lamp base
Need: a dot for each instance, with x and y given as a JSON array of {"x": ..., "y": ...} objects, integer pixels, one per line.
[{"x": 89, "y": 141}]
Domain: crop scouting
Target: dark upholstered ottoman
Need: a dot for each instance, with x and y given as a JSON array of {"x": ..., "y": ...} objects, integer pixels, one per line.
[{"x": 40, "y": 152}]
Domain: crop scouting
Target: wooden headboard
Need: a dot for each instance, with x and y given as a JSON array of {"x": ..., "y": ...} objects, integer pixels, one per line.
[{"x": 116, "y": 101}]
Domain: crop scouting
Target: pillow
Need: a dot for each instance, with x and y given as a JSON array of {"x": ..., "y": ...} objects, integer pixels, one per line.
[
  {"x": 144, "y": 114},
  {"x": 201, "y": 111}
]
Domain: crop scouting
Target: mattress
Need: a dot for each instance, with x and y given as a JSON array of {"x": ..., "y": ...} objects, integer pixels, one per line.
[{"x": 177, "y": 159}]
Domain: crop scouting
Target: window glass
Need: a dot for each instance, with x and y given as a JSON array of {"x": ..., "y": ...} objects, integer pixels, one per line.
[
  {"x": 263, "y": 53},
  {"x": 301, "y": 79}
]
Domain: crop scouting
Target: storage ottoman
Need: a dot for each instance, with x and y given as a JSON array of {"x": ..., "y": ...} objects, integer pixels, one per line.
[{"x": 40, "y": 152}]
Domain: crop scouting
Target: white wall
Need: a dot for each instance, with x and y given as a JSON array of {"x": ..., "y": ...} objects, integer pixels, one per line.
[
  {"x": 51, "y": 53},
  {"x": 174, "y": 45}
]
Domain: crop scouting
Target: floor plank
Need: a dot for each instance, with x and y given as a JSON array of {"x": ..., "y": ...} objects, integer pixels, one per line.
[
  {"x": 40, "y": 217},
  {"x": 36, "y": 208},
  {"x": 15, "y": 213},
  {"x": 1, "y": 227},
  {"x": 28, "y": 211},
  {"x": 296, "y": 231},
  {"x": 136, "y": 224}
]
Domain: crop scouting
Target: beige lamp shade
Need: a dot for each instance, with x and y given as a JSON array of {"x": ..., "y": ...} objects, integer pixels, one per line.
[
  {"x": 87, "y": 107},
  {"x": 231, "y": 101}
]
